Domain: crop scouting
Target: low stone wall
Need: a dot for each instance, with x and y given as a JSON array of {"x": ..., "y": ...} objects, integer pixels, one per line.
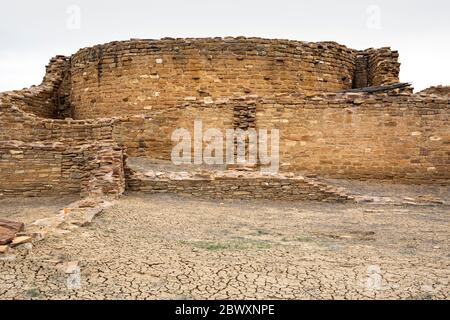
[
  {"x": 103, "y": 170},
  {"x": 32, "y": 170},
  {"x": 235, "y": 185},
  {"x": 17, "y": 124},
  {"x": 39, "y": 169},
  {"x": 437, "y": 90}
]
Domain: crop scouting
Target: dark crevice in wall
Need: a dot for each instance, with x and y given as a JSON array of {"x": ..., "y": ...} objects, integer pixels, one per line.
[
  {"x": 376, "y": 67},
  {"x": 100, "y": 65},
  {"x": 361, "y": 76},
  {"x": 244, "y": 118},
  {"x": 62, "y": 99}
]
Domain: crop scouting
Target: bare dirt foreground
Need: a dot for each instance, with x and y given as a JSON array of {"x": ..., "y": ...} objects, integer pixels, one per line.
[{"x": 169, "y": 247}]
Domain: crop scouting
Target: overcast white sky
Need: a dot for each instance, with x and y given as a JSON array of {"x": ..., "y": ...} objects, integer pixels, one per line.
[{"x": 31, "y": 32}]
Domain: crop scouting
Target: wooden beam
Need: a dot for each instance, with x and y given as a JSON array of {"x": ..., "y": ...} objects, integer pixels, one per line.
[{"x": 380, "y": 88}]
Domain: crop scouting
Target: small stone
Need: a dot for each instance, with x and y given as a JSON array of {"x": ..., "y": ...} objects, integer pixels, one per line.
[
  {"x": 21, "y": 240},
  {"x": 87, "y": 203},
  {"x": 4, "y": 249},
  {"x": 6, "y": 235},
  {"x": 208, "y": 100},
  {"x": 70, "y": 267},
  {"x": 27, "y": 246},
  {"x": 12, "y": 225}
]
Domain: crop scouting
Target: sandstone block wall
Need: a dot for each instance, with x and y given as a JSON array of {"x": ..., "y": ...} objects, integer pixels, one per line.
[
  {"x": 39, "y": 169},
  {"x": 136, "y": 77},
  {"x": 146, "y": 136},
  {"x": 103, "y": 169},
  {"x": 437, "y": 90},
  {"x": 42, "y": 156},
  {"x": 396, "y": 137},
  {"x": 383, "y": 66},
  {"x": 47, "y": 99},
  {"x": 391, "y": 137},
  {"x": 19, "y": 125},
  {"x": 31, "y": 170},
  {"x": 233, "y": 185},
  {"x": 70, "y": 134}
]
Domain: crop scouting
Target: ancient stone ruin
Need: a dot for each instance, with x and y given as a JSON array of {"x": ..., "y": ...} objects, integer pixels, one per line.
[{"x": 105, "y": 104}]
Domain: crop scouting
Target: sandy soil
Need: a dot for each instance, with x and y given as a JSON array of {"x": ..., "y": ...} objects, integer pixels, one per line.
[{"x": 28, "y": 210}]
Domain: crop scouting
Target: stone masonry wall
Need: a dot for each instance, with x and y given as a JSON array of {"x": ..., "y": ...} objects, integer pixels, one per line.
[
  {"x": 134, "y": 77},
  {"x": 19, "y": 125},
  {"x": 383, "y": 66},
  {"x": 150, "y": 136},
  {"x": 392, "y": 137},
  {"x": 38, "y": 169},
  {"x": 31, "y": 170},
  {"x": 397, "y": 137},
  {"x": 438, "y": 90},
  {"x": 236, "y": 185},
  {"x": 42, "y": 156},
  {"x": 130, "y": 96},
  {"x": 49, "y": 97},
  {"x": 400, "y": 137}
]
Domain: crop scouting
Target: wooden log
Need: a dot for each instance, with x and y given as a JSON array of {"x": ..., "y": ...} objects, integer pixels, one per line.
[{"x": 380, "y": 88}]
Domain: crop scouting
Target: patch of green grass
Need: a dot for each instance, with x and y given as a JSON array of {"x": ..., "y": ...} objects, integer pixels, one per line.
[
  {"x": 303, "y": 239},
  {"x": 261, "y": 232},
  {"x": 298, "y": 239},
  {"x": 244, "y": 244},
  {"x": 217, "y": 246},
  {"x": 33, "y": 292}
]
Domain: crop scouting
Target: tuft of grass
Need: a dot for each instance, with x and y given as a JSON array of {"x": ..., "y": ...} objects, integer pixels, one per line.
[
  {"x": 303, "y": 239},
  {"x": 298, "y": 238},
  {"x": 244, "y": 244},
  {"x": 261, "y": 232},
  {"x": 33, "y": 292},
  {"x": 217, "y": 246}
]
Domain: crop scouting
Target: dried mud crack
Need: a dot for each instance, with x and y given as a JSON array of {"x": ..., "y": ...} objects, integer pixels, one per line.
[{"x": 171, "y": 247}]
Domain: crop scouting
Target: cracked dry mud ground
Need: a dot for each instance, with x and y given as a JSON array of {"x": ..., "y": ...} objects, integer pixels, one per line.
[{"x": 169, "y": 247}]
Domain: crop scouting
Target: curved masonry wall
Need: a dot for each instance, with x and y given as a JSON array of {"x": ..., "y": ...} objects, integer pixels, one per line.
[{"x": 139, "y": 76}]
